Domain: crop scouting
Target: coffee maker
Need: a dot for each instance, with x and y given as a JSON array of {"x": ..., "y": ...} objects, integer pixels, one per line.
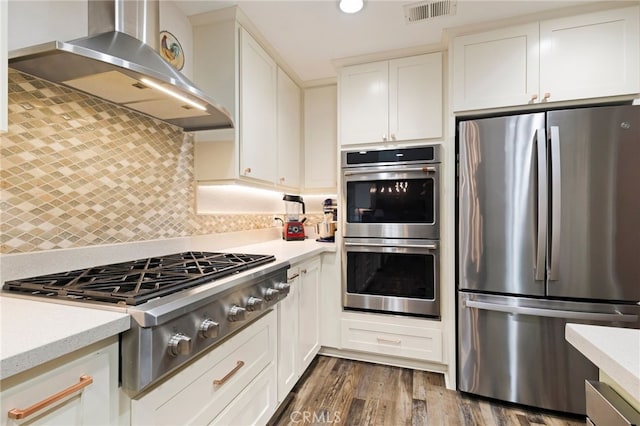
[{"x": 294, "y": 225}]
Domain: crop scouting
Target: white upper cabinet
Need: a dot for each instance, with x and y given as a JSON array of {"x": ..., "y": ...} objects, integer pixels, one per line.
[
  {"x": 591, "y": 55},
  {"x": 320, "y": 138},
  {"x": 289, "y": 131},
  {"x": 584, "y": 56},
  {"x": 415, "y": 97},
  {"x": 394, "y": 100},
  {"x": 258, "y": 94},
  {"x": 235, "y": 69},
  {"x": 364, "y": 103},
  {"x": 3, "y": 67},
  {"x": 496, "y": 68}
]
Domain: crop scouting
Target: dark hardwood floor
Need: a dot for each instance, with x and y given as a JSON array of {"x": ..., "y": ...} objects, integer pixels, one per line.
[{"x": 343, "y": 392}]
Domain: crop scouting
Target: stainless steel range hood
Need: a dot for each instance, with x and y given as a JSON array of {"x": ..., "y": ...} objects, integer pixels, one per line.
[{"x": 118, "y": 62}]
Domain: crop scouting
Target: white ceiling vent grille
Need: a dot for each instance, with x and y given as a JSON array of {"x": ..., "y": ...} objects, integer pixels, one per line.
[{"x": 417, "y": 12}]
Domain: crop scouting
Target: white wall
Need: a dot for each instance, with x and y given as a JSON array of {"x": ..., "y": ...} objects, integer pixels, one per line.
[
  {"x": 174, "y": 21},
  {"x": 35, "y": 22}
]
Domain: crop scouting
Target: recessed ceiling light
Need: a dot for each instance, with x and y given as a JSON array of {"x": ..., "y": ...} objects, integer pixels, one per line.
[{"x": 351, "y": 6}]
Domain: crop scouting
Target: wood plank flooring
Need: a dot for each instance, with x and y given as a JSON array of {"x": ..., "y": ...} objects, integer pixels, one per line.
[{"x": 344, "y": 392}]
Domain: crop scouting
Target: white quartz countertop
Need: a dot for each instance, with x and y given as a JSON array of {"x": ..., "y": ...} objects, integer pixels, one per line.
[
  {"x": 615, "y": 351},
  {"x": 34, "y": 332}
]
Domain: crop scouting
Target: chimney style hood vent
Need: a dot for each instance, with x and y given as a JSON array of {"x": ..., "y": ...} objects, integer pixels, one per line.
[{"x": 117, "y": 62}]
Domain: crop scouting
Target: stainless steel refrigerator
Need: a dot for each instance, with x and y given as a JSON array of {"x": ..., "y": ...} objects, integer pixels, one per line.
[{"x": 548, "y": 233}]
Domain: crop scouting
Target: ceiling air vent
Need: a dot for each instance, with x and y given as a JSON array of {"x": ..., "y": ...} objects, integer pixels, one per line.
[{"x": 417, "y": 12}]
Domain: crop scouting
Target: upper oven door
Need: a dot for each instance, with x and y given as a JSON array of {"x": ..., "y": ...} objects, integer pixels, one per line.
[{"x": 391, "y": 202}]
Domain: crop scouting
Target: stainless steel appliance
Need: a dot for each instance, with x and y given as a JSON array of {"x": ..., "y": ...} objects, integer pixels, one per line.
[
  {"x": 548, "y": 227},
  {"x": 119, "y": 62},
  {"x": 391, "y": 193},
  {"x": 394, "y": 276},
  {"x": 390, "y": 238},
  {"x": 326, "y": 229},
  {"x": 181, "y": 304}
]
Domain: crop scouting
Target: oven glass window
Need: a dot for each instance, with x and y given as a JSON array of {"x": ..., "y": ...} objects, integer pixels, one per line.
[
  {"x": 391, "y": 201},
  {"x": 391, "y": 274}
]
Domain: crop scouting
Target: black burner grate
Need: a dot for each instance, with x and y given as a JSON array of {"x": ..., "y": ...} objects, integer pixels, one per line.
[{"x": 138, "y": 281}]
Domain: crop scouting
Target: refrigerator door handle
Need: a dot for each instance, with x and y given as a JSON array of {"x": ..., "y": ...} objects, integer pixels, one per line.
[
  {"x": 556, "y": 206},
  {"x": 543, "y": 204},
  {"x": 551, "y": 313}
]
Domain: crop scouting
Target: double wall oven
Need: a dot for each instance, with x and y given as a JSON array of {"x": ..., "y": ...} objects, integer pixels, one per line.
[{"x": 391, "y": 230}]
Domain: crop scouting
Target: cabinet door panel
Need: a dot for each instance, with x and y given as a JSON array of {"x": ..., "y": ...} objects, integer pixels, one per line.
[
  {"x": 257, "y": 111},
  {"x": 93, "y": 404},
  {"x": 3, "y": 67},
  {"x": 255, "y": 405},
  {"x": 415, "y": 97},
  {"x": 288, "y": 369},
  {"x": 309, "y": 320},
  {"x": 289, "y": 131},
  {"x": 320, "y": 127},
  {"x": 364, "y": 103},
  {"x": 590, "y": 55},
  {"x": 497, "y": 68}
]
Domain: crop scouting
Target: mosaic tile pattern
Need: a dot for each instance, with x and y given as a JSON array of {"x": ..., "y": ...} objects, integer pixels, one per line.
[{"x": 76, "y": 171}]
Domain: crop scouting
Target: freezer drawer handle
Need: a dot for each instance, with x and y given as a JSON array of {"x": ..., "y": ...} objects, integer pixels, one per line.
[{"x": 551, "y": 313}]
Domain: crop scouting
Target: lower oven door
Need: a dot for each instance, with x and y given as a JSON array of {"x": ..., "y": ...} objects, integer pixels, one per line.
[{"x": 391, "y": 275}]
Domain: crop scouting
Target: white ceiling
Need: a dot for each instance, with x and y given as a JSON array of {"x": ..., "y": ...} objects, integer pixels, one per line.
[{"x": 310, "y": 34}]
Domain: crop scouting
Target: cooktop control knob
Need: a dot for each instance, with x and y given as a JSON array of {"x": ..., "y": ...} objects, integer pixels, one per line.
[
  {"x": 209, "y": 329},
  {"x": 179, "y": 344},
  {"x": 236, "y": 313},
  {"x": 254, "y": 304},
  {"x": 283, "y": 287},
  {"x": 270, "y": 294}
]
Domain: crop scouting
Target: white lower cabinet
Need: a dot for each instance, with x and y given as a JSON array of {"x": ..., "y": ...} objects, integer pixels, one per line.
[
  {"x": 233, "y": 383},
  {"x": 395, "y": 336},
  {"x": 309, "y": 314},
  {"x": 77, "y": 389},
  {"x": 255, "y": 405},
  {"x": 299, "y": 324}
]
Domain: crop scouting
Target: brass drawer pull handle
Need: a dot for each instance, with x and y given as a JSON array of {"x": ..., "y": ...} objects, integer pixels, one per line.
[
  {"x": 393, "y": 342},
  {"x": 293, "y": 277},
  {"x": 220, "y": 382},
  {"x": 18, "y": 414}
]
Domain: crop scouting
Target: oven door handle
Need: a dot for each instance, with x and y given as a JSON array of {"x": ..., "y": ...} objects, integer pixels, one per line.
[
  {"x": 424, "y": 169},
  {"x": 423, "y": 246}
]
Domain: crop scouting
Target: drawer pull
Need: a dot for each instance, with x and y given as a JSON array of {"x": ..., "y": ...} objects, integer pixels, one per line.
[
  {"x": 18, "y": 414},
  {"x": 220, "y": 382},
  {"x": 293, "y": 277},
  {"x": 393, "y": 342}
]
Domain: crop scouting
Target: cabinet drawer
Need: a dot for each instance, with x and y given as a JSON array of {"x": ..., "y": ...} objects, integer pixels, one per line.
[
  {"x": 255, "y": 405},
  {"x": 199, "y": 392},
  {"x": 88, "y": 381},
  {"x": 390, "y": 339}
]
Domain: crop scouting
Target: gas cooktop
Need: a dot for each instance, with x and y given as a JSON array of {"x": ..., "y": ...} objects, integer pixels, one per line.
[{"x": 137, "y": 281}]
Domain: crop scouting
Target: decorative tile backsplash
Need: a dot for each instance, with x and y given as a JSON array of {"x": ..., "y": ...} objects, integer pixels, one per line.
[{"x": 76, "y": 171}]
